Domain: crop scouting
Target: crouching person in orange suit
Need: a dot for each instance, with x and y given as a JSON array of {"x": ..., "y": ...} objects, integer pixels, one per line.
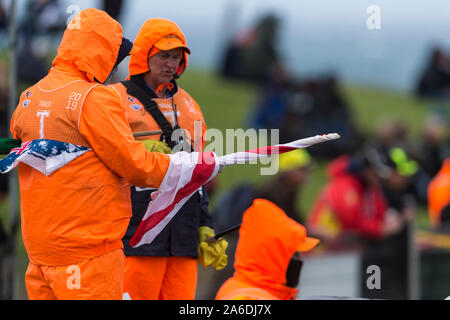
[{"x": 268, "y": 256}]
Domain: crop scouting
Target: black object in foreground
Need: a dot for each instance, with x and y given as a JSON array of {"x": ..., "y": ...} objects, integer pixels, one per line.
[{"x": 224, "y": 233}]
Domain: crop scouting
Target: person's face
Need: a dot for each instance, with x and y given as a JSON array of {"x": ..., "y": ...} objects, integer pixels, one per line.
[{"x": 164, "y": 65}]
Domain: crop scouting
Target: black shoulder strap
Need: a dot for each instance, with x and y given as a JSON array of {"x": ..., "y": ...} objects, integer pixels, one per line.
[{"x": 151, "y": 106}]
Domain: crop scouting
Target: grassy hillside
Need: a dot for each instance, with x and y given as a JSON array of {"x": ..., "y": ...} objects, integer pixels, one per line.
[{"x": 373, "y": 106}]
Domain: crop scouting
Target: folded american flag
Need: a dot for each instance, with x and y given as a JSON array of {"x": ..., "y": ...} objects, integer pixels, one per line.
[
  {"x": 187, "y": 172},
  {"x": 46, "y": 156}
]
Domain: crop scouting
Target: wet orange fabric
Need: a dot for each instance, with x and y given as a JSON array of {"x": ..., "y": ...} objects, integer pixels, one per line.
[
  {"x": 439, "y": 194},
  {"x": 100, "y": 278},
  {"x": 268, "y": 238},
  {"x": 188, "y": 113},
  {"x": 160, "y": 278},
  {"x": 82, "y": 210},
  {"x": 150, "y": 33}
]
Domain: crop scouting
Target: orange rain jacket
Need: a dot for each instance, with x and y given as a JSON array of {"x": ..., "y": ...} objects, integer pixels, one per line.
[
  {"x": 439, "y": 194},
  {"x": 82, "y": 210},
  {"x": 268, "y": 239}
]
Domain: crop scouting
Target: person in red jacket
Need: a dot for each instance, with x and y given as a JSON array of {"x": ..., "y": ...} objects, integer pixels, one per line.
[{"x": 351, "y": 204}]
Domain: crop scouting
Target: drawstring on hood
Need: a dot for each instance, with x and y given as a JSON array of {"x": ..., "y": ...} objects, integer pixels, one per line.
[{"x": 161, "y": 87}]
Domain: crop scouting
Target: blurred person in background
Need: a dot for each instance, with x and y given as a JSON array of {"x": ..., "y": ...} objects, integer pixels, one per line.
[
  {"x": 439, "y": 199},
  {"x": 166, "y": 269},
  {"x": 268, "y": 261},
  {"x": 4, "y": 121},
  {"x": 434, "y": 85},
  {"x": 435, "y": 79},
  {"x": 5, "y": 233},
  {"x": 264, "y": 53},
  {"x": 270, "y": 109},
  {"x": 300, "y": 113},
  {"x": 39, "y": 31},
  {"x": 393, "y": 134},
  {"x": 4, "y": 183},
  {"x": 43, "y": 17},
  {"x": 232, "y": 64},
  {"x": 392, "y": 254},
  {"x": 366, "y": 206},
  {"x": 283, "y": 189},
  {"x": 3, "y": 266},
  {"x": 433, "y": 145},
  {"x": 351, "y": 206},
  {"x": 252, "y": 53},
  {"x": 3, "y": 17},
  {"x": 331, "y": 112},
  {"x": 390, "y": 134}
]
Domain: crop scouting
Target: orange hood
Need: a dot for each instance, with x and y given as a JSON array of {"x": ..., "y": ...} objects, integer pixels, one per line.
[
  {"x": 151, "y": 32},
  {"x": 91, "y": 44},
  {"x": 268, "y": 239}
]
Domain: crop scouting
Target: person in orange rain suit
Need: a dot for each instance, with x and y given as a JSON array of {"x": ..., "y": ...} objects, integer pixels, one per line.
[
  {"x": 73, "y": 220},
  {"x": 166, "y": 269},
  {"x": 268, "y": 262},
  {"x": 439, "y": 197}
]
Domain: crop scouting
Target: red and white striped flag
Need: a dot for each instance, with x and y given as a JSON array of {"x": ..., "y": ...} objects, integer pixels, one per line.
[{"x": 187, "y": 172}]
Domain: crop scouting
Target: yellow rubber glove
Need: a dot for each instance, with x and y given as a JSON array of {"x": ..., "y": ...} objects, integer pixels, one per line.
[
  {"x": 156, "y": 146},
  {"x": 213, "y": 253}
]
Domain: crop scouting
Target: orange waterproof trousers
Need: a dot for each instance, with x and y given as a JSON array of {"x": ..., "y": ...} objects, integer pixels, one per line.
[
  {"x": 160, "y": 278},
  {"x": 100, "y": 278}
]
